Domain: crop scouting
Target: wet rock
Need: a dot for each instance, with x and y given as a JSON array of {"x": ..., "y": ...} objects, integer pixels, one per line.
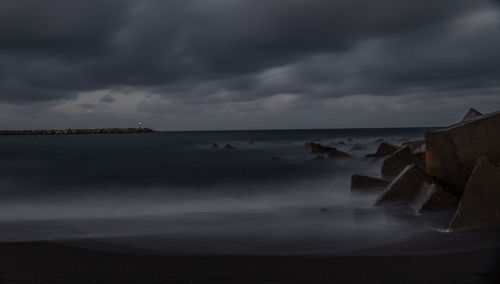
[
  {"x": 405, "y": 186},
  {"x": 452, "y": 153},
  {"x": 332, "y": 152},
  {"x": 479, "y": 206},
  {"x": 229, "y": 147},
  {"x": 215, "y": 146},
  {"x": 368, "y": 183},
  {"x": 384, "y": 149},
  {"x": 419, "y": 155},
  {"x": 336, "y": 154},
  {"x": 432, "y": 197},
  {"x": 471, "y": 114},
  {"x": 419, "y": 190},
  {"x": 397, "y": 162},
  {"x": 318, "y": 148},
  {"x": 414, "y": 145},
  {"x": 358, "y": 147},
  {"x": 380, "y": 140}
]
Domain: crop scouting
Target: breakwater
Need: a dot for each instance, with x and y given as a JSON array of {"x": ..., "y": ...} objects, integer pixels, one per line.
[{"x": 78, "y": 131}]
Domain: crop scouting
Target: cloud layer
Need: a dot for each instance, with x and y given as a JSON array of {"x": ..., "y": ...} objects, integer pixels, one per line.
[{"x": 282, "y": 63}]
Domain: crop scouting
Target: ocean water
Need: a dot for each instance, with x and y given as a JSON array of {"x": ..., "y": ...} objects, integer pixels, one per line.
[{"x": 170, "y": 192}]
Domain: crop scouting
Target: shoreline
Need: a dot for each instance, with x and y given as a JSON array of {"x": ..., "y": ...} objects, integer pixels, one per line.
[{"x": 50, "y": 262}]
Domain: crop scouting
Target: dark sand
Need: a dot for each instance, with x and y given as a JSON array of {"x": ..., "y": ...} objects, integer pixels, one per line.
[{"x": 45, "y": 262}]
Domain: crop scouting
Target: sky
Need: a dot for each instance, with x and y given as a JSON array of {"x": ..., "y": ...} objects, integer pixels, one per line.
[{"x": 246, "y": 64}]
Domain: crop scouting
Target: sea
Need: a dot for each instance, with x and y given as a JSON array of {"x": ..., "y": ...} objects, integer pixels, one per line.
[{"x": 177, "y": 193}]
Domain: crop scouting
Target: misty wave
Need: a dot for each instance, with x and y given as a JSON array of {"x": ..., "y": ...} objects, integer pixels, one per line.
[{"x": 172, "y": 193}]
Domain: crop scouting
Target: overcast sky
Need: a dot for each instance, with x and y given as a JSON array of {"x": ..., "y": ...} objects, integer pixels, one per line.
[{"x": 246, "y": 64}]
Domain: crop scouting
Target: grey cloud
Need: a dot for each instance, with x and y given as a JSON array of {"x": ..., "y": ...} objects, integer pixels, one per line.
[
  {"x": 87, "y": 106},
  {"x": 59, "y": 27},
  {"x": 197, "y": 52},
  {"x": 107, "y": 99}
]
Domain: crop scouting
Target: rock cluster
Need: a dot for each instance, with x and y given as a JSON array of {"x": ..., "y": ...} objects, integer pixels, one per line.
[
  {"x": 456, "y": 167},
  {"x": 77, "y": 131},
  {"x": 452, "y": 153}
]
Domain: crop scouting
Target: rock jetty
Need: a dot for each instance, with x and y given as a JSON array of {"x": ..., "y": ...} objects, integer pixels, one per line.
[
  {"x": 78, "y": 131},
  {"x": 456, "y": 167}
]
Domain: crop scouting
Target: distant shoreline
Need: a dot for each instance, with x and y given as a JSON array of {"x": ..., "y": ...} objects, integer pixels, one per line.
[{"x": 78, "y": 131}]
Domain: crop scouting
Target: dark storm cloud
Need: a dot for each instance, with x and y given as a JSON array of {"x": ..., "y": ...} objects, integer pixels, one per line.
[
  {"x": 200, "y": 51},
  {"x": 59, "y": 27}
]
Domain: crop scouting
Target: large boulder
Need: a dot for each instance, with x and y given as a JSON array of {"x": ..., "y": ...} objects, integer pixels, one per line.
[
  {"x": 452, "y": 153},
  {"x": 419, "y": 190},
  {"x": 368, "y": 183},
  {"x": 385, "y": 149},
  {"x": 405, "y": 186},
  {"x": 472, "y": 113},
  {"x": 338, "y": 154},
  {"x": 480, "y": 203},
  {"x": 419, "y": 155},
  {"x": 318, "y": 148},
  {"x": 414, "y": 145},
  {"x": 397, "y": 162},
  {"x": 432, "y": 197}
]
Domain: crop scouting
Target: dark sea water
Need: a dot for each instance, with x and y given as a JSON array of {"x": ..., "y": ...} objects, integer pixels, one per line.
[{"x": 170, "y": 192}]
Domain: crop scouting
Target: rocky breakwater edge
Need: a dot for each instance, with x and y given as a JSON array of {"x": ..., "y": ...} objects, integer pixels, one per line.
[
  {"x": 78, "y": 131},
  {"x": 454, "y": 168}
]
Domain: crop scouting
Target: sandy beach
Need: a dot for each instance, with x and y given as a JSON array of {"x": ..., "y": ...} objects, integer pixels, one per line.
[{"x": 47, "y": 262}]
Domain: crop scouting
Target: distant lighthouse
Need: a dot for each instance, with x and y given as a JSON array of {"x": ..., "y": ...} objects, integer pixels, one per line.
[{"x": 140, "y": 124}]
